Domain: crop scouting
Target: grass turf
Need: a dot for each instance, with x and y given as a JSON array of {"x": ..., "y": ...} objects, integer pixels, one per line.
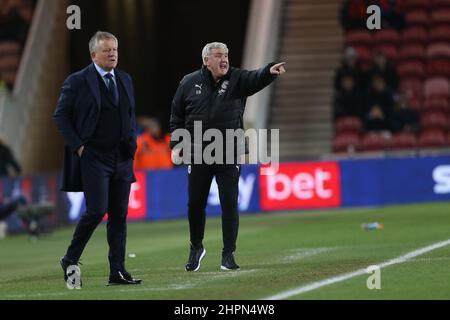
[{"x": 276, "y": 252}]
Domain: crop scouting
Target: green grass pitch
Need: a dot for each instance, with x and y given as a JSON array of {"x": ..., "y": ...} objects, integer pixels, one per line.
[{"x": 276, "y": 251}]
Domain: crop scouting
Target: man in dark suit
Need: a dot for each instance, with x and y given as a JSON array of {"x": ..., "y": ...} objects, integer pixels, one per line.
[{"x": 96, "y": 116}]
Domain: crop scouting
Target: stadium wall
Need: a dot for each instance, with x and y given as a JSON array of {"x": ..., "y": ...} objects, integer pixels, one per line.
[{"x": 162, "y": 195}]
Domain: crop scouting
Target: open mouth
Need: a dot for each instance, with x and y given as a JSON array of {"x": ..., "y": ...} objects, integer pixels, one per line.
[{"x": 223, "y": 66}]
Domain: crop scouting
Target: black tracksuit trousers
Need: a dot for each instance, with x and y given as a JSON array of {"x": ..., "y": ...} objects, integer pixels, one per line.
[{"x": 200, "y": 178}]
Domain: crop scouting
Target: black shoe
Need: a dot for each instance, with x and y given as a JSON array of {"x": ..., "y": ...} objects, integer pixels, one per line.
[
  {"x": 228, "y": 262},
  {"x": 195, "y": 257},
  {"x": 65, "y": 264},
  {"x": 122, "y": 277}
]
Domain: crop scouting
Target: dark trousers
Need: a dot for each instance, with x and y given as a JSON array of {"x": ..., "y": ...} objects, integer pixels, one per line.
[
  {"x": 106, "y": 182},
  {"x": 200, "y": 178}
]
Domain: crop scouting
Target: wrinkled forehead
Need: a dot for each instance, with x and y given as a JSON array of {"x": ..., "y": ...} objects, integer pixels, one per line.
[
  {"x": 219, "y": 51},
  {"x": 107, "y": 43}
]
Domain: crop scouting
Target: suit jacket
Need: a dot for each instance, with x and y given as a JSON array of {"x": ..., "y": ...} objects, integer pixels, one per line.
[{"x": 76, "y": 115}]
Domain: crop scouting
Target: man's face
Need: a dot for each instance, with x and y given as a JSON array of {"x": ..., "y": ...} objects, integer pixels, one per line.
[
  {"x": 348, "y": 83},
  {"x": 107, "y": 54},
  {"x": 217, "y": 62}
]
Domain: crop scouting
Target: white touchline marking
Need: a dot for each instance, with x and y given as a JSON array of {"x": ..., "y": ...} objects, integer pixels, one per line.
[
  {"x": 202, "y": 278},
  {"x": 346, "y": 276},
  {"x": 301, "y": 253}
]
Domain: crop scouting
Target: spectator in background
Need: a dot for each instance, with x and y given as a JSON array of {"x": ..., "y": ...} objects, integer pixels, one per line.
[
  {"x": 380, "y": 104},
  {"x": 382, "y": 67},
  {"x": 354, "y": 14},
  {"x": 376, "y": 119},
  {"x": 350, "y": 67},
  {"x": 153, "y": 147},
  {"x": 391, "y": 13},
  {"x": 348, "y": 101},
  {"x": 13, "y": 20},
  {"x": 141, "y": 123},
  {"x": 404, "y": 118},
  {"x": 7, "y": 161},
  {"x": 7, "y": 208}
]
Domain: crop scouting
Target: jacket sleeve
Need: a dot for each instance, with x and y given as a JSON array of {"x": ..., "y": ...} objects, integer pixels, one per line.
[
  {"x": 177, "y": 115},
  {"x": 251, "y": 82},
  {"x": 64, "y": 112}
]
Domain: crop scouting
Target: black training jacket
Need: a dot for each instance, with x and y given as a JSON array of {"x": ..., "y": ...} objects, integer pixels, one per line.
[{"x": 221, "y": 105}]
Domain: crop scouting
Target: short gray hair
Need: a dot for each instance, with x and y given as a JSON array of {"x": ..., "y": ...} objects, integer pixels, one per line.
[
  {"x": 213, "y": 45},
  {"x": 100, "y": 35}
]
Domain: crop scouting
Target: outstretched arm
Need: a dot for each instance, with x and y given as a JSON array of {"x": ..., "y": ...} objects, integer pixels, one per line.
[{"x": 250, "y": 82}]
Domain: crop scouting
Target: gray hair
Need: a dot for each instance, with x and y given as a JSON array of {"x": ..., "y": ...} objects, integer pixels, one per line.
[
  {"x": 100, "y": 35},
  {"x": 213, "y": 45}
]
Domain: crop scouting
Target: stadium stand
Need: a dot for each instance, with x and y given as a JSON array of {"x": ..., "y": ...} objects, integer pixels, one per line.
[
  {"x": 15, "y": 19},
  {"x": 420, "y": 53},
  {"x": 310, "y": 42}
]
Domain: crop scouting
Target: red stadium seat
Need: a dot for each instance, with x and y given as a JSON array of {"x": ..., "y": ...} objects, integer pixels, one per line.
[
  {"x": 358, "y": 37},
  {"x": 413, "y": 86},
  {"x": 415, "y": 4},
  {"x": 348, "y": 125},
  {"x": 9, "y": 48},
  {"x": 417, "y": 17},
  {"x": 411, "y": 69},
  {"x": 416, "y": 103},
  {"x": 412, "y": 51},
  {"x": 432, "y": 138},
  {"x": 403, "y": 140},
  {"x": 9, "y": 62},
  {"x": 437, "y": 104},
  {"x": 364, "y": 56},
  {"x": 437, "y": 87},
  {"x": 387, "y": 36},
  {"x": 440, "y": 16},
  {"x": 414, "y": 34},
  {"x": 388, "y": 50},
  {"x": 438, "y": 67},
  {"x": 346, "y": 142},
  {"x": 438, "y": 50},
  {"x": 440, "y": 3},
  {"x": 439, "y": 33},
  {"x": 374, "y": 141},
  {"x": 434, "y": 120}
]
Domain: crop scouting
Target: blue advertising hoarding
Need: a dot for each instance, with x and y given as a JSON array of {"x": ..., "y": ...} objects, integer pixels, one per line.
[
  {"x": 167, "y": 193},
  {"x": 395, "y": 181},
  {"x": 162, "y": 194}
]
